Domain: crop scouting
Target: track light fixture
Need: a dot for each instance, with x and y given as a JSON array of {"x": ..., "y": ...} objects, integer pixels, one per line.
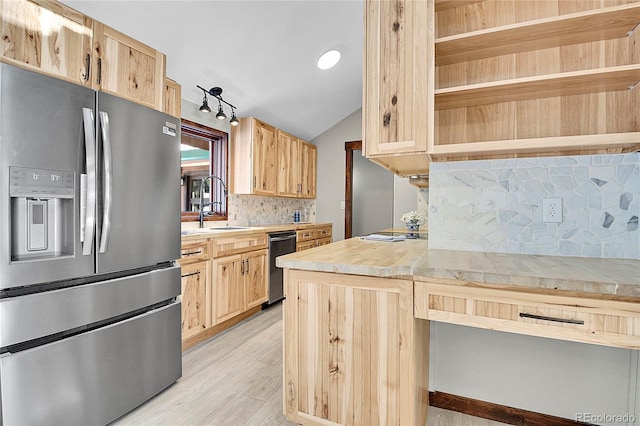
[{"x": 216, "y": 92}]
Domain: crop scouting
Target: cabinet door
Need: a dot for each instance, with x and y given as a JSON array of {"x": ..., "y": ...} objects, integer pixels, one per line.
[
  {"x": 47, "y": 37},
  {"x": 288, "y": 165},
  {"x": 397, "y": 72},
  {"x": 255, "y": 278},
  {"x": 308, "y": 169},
  {"x": 128, "y": 68},
  {"x": 195, "y": 298},
  {"x": 172, "y": 98},
  {"x": 229, "y": 290},
  {"x": 264, "y": 159},
  {"x": 351, "y": 343}
]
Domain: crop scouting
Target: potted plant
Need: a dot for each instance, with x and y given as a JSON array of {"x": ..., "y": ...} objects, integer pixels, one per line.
[{"x": 414, "y": 219}]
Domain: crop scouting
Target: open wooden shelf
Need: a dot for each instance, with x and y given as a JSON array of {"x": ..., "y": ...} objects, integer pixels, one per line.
[
  {"x": 623, "y": 142},
  {"x": 582, "y": 27},
  {"x": 450, "y": 4},
  {"x": 562, "y": 84}
]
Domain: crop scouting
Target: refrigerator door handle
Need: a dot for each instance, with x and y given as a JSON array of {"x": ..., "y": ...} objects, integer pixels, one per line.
[
  {"x": 87, "y": 228},
  {"x": 108, "y": 182}
]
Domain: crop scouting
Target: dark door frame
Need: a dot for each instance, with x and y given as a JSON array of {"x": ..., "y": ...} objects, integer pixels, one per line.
[{"x": 348, "y": 188}]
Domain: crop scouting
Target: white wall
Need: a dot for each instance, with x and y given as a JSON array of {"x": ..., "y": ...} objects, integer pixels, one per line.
[{"x": 191, "y": 113}]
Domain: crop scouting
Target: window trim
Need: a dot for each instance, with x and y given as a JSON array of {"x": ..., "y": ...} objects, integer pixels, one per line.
[{"x": 220, "y": 143}]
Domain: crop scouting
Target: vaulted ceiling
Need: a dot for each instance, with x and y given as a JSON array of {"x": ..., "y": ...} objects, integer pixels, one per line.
[{"x": 261, "y": 53}]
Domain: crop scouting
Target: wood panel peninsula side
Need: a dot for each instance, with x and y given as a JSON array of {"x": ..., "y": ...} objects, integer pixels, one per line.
[{"x": 357, "y": 312}]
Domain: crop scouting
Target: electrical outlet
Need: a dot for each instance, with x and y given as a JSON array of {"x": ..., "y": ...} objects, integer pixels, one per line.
[{"x": 552, "y": 210}]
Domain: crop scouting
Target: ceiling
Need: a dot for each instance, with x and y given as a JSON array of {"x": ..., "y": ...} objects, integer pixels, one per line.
[{"x": 261, "y": 53}]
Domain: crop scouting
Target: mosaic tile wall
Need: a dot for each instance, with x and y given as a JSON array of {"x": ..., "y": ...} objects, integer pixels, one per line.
[
  {"x": 254, "y": 210},
  {"x": 496, "y": 205}
]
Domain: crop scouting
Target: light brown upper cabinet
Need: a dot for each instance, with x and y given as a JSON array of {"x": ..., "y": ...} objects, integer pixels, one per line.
[
  {"x": 288, "y": 165},
  {"x": 499, "y": 78},
  {"x": 398, "y": 78},
  {"x": 308, "y": 169},
  {"x": 269, "y": 161},
  {"x": 128, "y": 68},
  {"x": 47, "y": 37},
  {"x": 53, "y": 39},
  {"x": 253, "y": 158},
  {"x": 172, "y": 98},
  {"x": 297, "y": 164}
]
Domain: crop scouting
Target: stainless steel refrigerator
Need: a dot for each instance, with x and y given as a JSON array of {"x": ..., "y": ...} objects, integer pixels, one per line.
[{"x": 89, "y": 234}]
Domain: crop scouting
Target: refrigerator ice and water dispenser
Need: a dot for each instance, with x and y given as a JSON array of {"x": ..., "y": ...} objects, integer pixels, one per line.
[{"x": 41, "y": 213}]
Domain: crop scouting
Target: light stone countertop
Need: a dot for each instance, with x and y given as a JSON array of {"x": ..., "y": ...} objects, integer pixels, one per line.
[{"x": 413, "y": 259}]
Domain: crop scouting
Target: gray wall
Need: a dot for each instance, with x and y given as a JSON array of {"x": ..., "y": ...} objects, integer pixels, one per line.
[
  {"x": 331, "y": 176},
  {"x": 405, "y": 199},
  {"x": 372, "y": 197},
  {"x": 331, "y": 170}
]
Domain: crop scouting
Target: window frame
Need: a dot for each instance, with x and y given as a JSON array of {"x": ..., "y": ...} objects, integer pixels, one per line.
[{"x": 218, "y": 166}]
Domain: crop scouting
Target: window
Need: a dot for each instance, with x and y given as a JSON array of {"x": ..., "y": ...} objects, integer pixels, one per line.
[{"x": 203, "y": 153}]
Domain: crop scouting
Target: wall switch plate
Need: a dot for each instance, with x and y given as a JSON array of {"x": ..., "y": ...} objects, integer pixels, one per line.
[
  {"x": 552, "y": 210},
  {"x": 341, "y": 205}
]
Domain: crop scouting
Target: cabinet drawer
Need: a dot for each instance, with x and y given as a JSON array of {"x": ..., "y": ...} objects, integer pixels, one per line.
[
  {"x": 305, "y": 235},
  {"x": 194, "y": 251},
  {"x": 234, "y": 245},
  {"x": 323, "y": 241},
  {"x": 580, "y": 319},
  {"x": 305, "y": 245},
  {"x": 323, "y": 232}
]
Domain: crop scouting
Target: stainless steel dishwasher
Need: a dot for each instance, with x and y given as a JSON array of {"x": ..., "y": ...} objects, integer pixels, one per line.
[{"x": 279, "y": 243}]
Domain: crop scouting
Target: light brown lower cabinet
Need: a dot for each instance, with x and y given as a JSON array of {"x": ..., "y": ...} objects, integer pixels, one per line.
[
  {"x": 240, "y": 284},
  {"x": 195, "y": 298},
  {"x": 308, "y": 238},
  {"x": 224, "y": 281},
  {"x": 353, "y": 351}
]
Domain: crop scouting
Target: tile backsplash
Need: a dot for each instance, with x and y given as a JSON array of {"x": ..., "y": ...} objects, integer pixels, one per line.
[
  {"x": 254, "y": 210},
  {"x": 496, "y": 205}
]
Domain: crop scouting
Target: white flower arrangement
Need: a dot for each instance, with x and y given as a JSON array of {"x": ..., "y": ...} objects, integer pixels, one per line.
[{"x": 414, "y": 217}]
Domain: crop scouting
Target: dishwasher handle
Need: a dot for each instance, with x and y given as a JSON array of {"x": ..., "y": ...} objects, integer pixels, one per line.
[{"x": 282, "y": 238}]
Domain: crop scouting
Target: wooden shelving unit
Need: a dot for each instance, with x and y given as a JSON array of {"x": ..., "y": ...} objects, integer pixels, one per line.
[
  {"x": 549, "y": 85},
  {"x": 449, "y": 80}
]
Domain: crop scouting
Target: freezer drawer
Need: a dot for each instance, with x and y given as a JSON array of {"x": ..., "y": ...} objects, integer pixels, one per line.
[
  {"x": 37, "y": 315},
  {"x": 93, "y": 378}
]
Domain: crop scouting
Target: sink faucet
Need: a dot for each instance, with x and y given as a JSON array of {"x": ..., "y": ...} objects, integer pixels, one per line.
[{"x": 202, "y": 204}]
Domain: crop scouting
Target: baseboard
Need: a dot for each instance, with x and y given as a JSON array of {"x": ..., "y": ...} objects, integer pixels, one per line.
[
  {"x": 496, "y": 412},
  {"x": 218, "y": 328}
]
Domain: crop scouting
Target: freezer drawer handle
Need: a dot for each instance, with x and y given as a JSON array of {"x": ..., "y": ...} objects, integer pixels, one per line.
[
  {"x": 87, "y": 229},
  {"x": 108, "y": 182},
  {"x": 554, "y": 319}
]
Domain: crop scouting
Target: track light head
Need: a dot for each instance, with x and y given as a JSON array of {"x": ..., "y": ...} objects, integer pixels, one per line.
[
  {"x": 205, "y": 105},
  {"x": 234, "y": 120},
  {"x": 220, "y": 115}
]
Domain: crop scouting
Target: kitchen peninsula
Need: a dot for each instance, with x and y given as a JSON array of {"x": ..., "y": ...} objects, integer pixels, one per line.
[{"x": 357, "y": 314}]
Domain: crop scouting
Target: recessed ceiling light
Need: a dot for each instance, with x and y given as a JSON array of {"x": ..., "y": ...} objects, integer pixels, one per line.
[{"x": 328, "y": 59}]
